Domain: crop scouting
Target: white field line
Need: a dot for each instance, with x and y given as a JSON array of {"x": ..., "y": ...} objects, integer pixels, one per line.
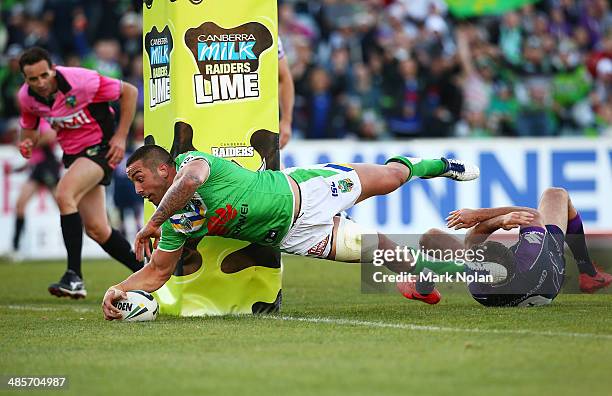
[
  {"x": 408, "y": 326},
  {"x": 46, "y": 309},
  {"x": 363, "y": 323}
]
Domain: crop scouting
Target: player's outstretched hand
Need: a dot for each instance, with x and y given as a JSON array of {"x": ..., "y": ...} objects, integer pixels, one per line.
[
  {"x": 116, "y": 151},
  {"x": 142, "y": 245},
  {"x": 462, "y": 218},
  {"x": 110, "y": 311},
  {"x": 516, "y": 219},
  {"x": 25, "y": 148}
]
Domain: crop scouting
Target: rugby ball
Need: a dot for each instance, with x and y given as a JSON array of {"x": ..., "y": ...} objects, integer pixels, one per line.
[{"x": 139, "y": 306}]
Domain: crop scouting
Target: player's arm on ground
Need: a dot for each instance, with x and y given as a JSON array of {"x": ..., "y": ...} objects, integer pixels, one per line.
[
  {"x": 150, "y": 278},
  {"x": 481, "y": 231}
]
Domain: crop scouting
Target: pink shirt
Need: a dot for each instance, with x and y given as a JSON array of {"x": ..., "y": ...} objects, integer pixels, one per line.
[{"x": 80, "y": 112}]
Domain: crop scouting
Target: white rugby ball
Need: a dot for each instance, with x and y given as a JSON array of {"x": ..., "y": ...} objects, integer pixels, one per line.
[{"x": 139, "y": 306}]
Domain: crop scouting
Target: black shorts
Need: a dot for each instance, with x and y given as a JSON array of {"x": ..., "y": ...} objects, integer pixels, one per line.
[
  {"x": 96, "y": 153},
  {"x": 46, "y": 173},
  {"x": 537, "y": 286}
]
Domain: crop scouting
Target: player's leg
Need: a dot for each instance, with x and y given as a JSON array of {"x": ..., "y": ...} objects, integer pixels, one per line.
[
  {"x": 438, "y": 245},
  {"x": 25, "y": 194},
  {"x": 380, "y": 179},
  {"x": 591, "y": 279},
  {"x": 349, "y": 244},
  {"x": 384, "y": 179},
  {"x": 92, "y": 208},
  {"x": 553, "y": 207},
  {"x": 82, "y": 175}
]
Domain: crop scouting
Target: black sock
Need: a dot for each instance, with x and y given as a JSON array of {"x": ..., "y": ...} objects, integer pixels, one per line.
[
  {"x": 72, "y": 231},
  {"x": 119, "y": 249},
  {"x": 577, "y": 244},
  {"x": 19, "y": 222}
]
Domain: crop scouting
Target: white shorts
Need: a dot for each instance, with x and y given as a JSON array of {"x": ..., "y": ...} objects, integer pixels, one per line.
[{"x": 325, "y": 191}]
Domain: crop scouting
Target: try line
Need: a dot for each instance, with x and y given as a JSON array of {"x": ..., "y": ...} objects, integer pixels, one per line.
[{"x": 365, "y": 323}]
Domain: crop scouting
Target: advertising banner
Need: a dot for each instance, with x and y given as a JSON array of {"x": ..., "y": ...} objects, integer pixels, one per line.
[{"x": 211, "y": 84}]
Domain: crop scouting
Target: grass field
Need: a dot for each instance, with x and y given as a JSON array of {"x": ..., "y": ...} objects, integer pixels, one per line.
[{"x": 330, "y": 339}]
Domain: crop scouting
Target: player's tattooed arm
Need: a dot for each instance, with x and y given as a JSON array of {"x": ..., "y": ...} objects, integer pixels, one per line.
[{"x": 185, "y": 184}]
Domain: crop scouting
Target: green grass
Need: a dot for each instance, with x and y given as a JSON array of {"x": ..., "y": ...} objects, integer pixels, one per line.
[{"x": 516, "y": 351}]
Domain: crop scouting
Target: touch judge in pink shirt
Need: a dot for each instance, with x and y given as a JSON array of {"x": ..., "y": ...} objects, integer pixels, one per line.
[{"x": 75, "y": 102}]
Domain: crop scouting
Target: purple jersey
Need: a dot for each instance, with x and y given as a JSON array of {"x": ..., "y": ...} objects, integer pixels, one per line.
[
  {"x": 528, "y": 248},
  {"x": 539, "y": 271},
  {"x": 80, "y": 112}
]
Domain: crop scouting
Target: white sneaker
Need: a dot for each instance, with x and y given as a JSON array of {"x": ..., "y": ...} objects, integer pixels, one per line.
[{"x": 459, "y": 170}]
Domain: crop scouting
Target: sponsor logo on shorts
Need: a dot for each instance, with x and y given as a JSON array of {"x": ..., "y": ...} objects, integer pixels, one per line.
[
  {"x": 227, "y": 61},
  {"x": 345, "y": 185},
  {"x": 319, "y": 248},
  {"x": 334, "y": 189},
  {"x": 158, "y": 46},
  {"x": 92, "y": 151}
]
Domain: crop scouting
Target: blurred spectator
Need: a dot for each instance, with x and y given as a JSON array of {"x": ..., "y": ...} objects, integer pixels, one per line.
[
  {"x": 503, "y": 110},
  {"x": 571, "y": 86},
  {"x": 324, "y": 113},
  {"x": 377, "y": 68}
]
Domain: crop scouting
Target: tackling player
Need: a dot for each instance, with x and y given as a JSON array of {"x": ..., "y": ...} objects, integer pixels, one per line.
[
  {"x": 535, "y": 264},
  {"x": 75, "y": 102},
  {"x": 294, "y": 209}
]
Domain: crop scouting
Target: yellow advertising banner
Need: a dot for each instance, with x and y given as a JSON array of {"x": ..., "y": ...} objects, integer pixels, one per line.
[{"x": 211, "y": 84}]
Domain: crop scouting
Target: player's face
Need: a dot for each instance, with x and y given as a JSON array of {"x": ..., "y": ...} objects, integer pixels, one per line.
[
  {"x": 148, "y": 183},
  {"x": 41, "y": 78}
]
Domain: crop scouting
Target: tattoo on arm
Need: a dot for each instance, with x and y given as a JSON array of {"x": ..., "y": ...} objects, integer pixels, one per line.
[{"x": 177, "y": 196}]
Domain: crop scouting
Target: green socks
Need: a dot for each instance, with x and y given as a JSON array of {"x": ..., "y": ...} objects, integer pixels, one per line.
[
  {"x": 419, "y": 167},
  {"x": 439, "y": 267}
]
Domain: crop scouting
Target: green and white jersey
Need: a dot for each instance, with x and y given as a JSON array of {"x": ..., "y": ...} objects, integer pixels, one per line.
[{"x": 233, "y": 202}]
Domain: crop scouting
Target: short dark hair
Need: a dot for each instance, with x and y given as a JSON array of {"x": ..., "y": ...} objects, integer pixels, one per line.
[
  {"x": 151, "y": 155},
  {"x": 495, "y": 252},
  {"x": 34, "y": 55}
]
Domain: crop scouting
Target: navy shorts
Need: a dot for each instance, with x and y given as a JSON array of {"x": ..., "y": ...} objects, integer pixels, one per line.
[
  {"x": 46, "y": 173},
  {"x": 96, "y": 153}
]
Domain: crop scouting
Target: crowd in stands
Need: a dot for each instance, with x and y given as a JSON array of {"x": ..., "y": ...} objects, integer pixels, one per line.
[{"x": 373, "y": 69}]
